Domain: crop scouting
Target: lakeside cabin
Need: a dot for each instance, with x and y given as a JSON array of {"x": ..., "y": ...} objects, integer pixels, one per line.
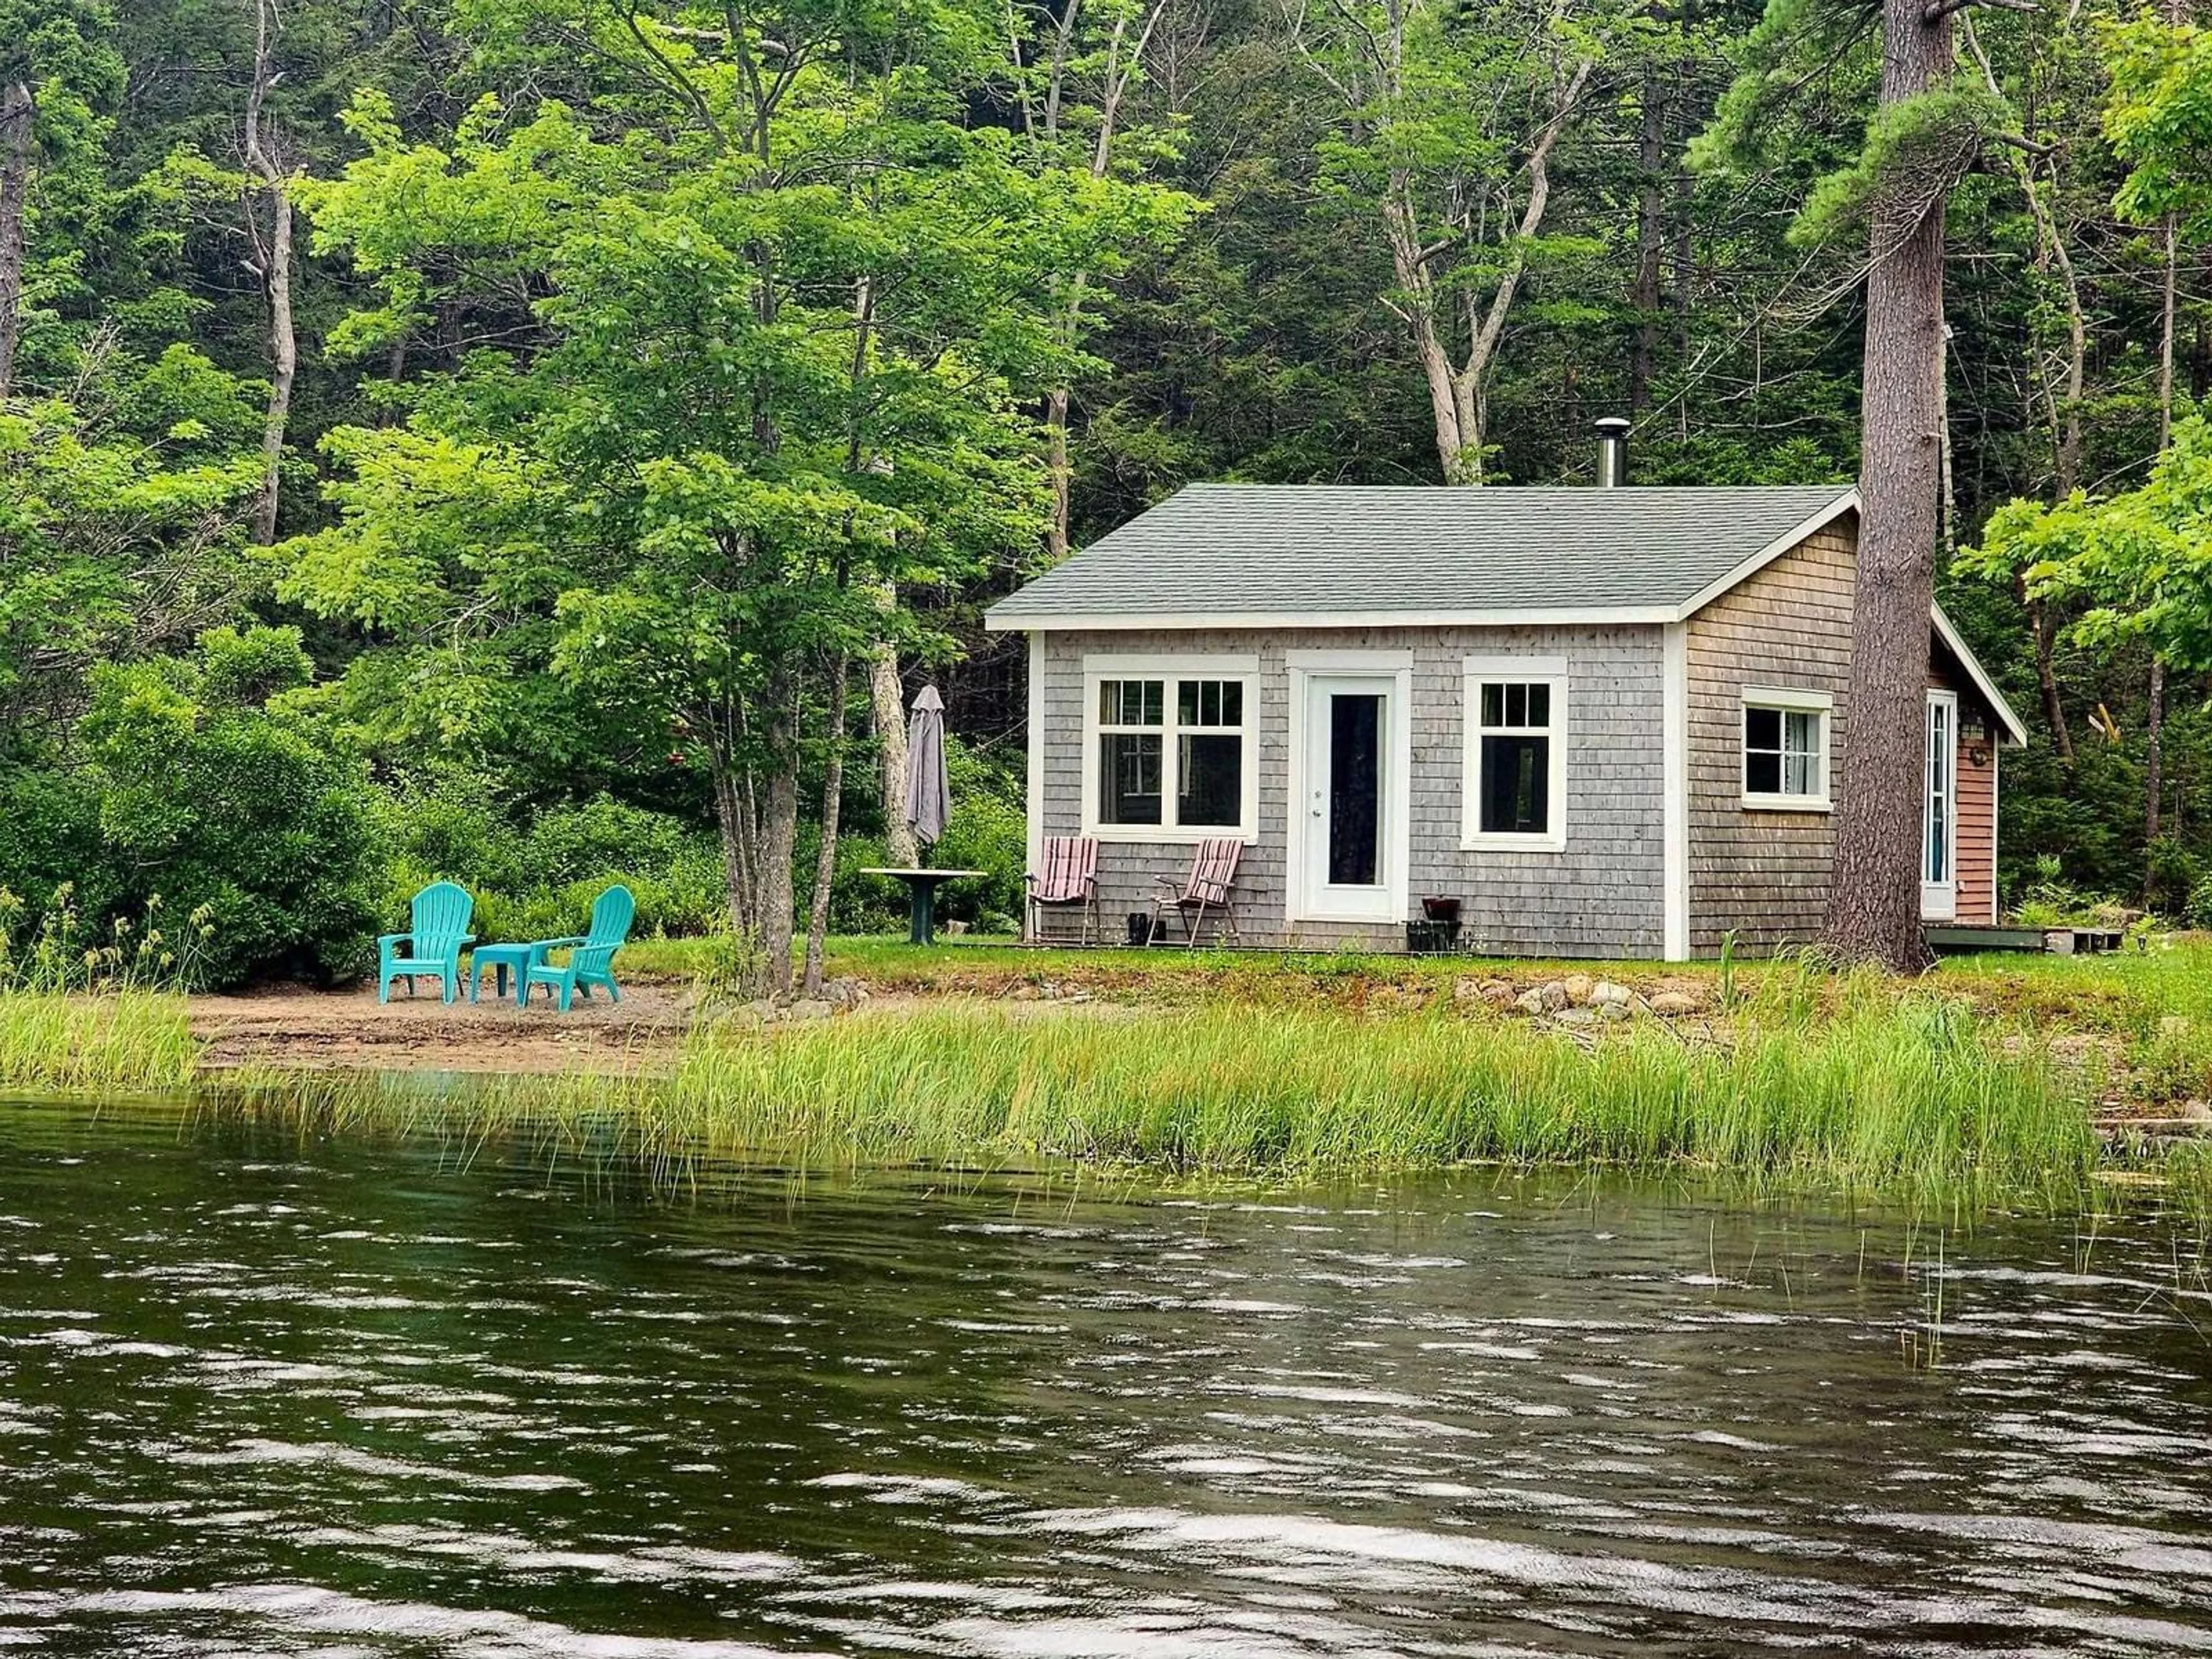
[{"x": 1605, "y": 722}]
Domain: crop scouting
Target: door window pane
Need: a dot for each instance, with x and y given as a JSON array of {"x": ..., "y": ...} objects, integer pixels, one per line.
[
  {"x": 1355, "y": 790},
  {"x": 1936, "y": 858}
]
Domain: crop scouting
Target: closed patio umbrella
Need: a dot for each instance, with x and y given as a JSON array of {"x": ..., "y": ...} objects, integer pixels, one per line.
[{"x": 928, "y": 792}]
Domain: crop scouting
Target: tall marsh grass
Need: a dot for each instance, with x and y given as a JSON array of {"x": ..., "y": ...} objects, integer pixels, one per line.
[
  {"x": 133, "y": 1042},
  {"x": 1909, "y": 1095},
  {"x": 1910, "y": 1098}
]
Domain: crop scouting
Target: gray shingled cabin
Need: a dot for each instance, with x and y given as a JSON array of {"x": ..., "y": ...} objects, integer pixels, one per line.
[{"x": 1606, "y": 721}]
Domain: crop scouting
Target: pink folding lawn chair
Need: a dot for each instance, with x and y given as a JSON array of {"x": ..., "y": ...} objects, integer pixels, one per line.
[
  {"x": 1070, "y": 878},
  {"x": 1213, "y": 873}
]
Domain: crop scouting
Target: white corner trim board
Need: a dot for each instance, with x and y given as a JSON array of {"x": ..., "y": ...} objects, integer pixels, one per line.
[
  {"x": 1037, "y": 794},
  {"x": 1675, "y": 791}
]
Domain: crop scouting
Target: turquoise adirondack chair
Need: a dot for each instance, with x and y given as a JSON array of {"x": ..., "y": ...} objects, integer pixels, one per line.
[
  {"x": 591, "y": 958},
  {"x": 434, "y": 946}
]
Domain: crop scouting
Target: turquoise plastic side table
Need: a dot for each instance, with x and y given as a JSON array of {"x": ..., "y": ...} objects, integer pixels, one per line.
[{"x": 503, "y": 960}]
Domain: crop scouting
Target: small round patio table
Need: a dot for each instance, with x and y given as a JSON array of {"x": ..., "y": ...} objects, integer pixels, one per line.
[{"x": 921, "y": 885}]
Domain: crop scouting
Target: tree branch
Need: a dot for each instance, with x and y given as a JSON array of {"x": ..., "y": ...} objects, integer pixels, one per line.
[{"x": 1936, "y": 12}]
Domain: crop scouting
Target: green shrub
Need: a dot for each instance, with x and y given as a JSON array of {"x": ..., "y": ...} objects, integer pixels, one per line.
[
  {"x": 50, "y": 837},
  {"x": 454, "y": 833},
  {"x": 537, "y": 878},
  {"x": 988, "y": 830},
  {"x": 197, "y": 788}
]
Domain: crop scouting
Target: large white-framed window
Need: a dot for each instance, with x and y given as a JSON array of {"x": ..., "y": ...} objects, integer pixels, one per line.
[
  {"x": 1169, "y": 749},
  {"x": 1515, "y": 770},
  {"x": 1785, "y": 748}
]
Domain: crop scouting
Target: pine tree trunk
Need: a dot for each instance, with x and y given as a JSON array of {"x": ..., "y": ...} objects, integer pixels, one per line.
[
  {"x": 17, "y": 121},
  {"x": 825, "y": 861},
  {"x": 1873, "y": 907}
]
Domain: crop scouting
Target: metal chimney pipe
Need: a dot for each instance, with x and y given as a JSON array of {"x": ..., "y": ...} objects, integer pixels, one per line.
[{"x": 1612, "y": 451}]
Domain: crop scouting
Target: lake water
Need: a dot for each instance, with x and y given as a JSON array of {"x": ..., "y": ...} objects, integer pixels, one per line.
[{"x": 258, "y": 1396}]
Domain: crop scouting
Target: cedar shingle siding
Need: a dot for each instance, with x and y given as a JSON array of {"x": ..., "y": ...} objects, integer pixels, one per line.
[
  {"x": 1599, "y": 897},
  {"x": 1765, "y": 874}
]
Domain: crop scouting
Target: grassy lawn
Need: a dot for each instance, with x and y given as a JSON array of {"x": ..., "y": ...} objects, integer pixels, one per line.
[
  {"x": 2123, "y": 992},
  {"x": 889, "y": 962}
]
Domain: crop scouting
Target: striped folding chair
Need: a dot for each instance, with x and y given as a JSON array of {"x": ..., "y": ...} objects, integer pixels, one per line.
[
  {"x": 1212, "y": 874},
  {"x": 1070, "y": 876}
]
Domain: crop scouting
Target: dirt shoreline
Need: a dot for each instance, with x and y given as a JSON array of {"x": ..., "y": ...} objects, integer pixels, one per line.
[{"x": 299, "y": 1028}]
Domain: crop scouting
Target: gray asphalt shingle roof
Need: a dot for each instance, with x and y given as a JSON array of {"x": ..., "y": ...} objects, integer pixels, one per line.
[{"x": 1222, "y": 549}]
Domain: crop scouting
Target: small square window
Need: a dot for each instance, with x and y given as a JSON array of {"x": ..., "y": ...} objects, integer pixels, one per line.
[{"x": 1785, "y": 750}]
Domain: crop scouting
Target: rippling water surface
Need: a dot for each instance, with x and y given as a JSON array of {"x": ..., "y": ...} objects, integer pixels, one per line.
[{"x": 258, "y": 1396}]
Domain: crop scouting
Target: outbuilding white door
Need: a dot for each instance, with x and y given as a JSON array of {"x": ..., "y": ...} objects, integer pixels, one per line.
[
  {"x": 1939, "y": 818},
  {"x": 1347, "y": 798}
]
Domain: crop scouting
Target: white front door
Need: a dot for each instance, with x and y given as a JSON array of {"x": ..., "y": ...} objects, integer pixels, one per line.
[
  {"x": 1348, "y": 798},
  {"x": 1939, "y": 818}
]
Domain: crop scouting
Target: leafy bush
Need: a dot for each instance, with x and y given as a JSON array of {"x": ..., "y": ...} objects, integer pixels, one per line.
[
  {"x": 50, "y": 837},
  {"x": 536, "y": 879},
  {"x": 2053, "y": 901},
  {"x": 213, "y": 797},
  {"x": 197, "y": 793},
  {"x": 988, "y": 830},
  {"x": 2170, "y": 875}
]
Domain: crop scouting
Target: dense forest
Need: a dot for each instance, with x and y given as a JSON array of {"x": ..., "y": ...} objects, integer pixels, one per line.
[{"x": 524, "y": 440}]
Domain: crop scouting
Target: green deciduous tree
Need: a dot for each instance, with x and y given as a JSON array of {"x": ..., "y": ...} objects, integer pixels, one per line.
[
  {"x": 1446, "y": 122},
  {"x": 753, "y": 322}
]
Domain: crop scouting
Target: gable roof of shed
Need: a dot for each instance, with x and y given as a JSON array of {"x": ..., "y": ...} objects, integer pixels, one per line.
[{"x": 1260, "y": 555}]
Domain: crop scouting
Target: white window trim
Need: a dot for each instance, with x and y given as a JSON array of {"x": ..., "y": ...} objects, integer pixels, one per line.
[
  {"x": 1522, "y": 670},
  {"x": 1795, "y": 698},
  {"x": 1242, "y": 669}
]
